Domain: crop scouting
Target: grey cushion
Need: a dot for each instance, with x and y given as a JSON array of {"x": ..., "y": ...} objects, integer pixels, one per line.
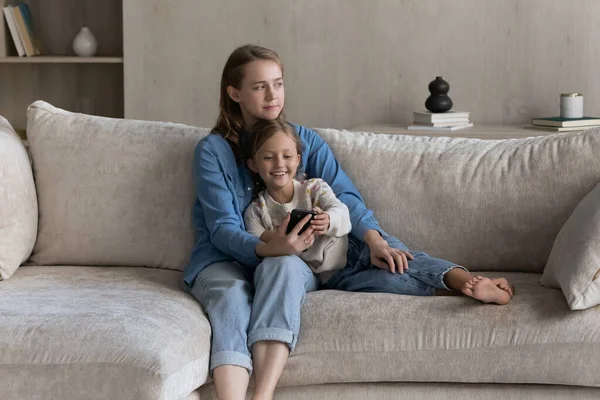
[
  {"x": 484, "y": 204},
  {"x": 424, "y": 391},
  {"x": 574, "y": 263},
  {"x": 100, "y": 332},
  {"x": 357, "y": 337},
  {"x": 18, "y": 202},
  {"x": 112, "y": 192}
]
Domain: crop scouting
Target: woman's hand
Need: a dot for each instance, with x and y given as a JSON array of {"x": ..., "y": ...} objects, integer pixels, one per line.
[
  {"x": 385, "y": 257},
  {"x": 290, "y": 244},
  {"x": 267, "y": 235},
  {"x": 320, "y": 222}
]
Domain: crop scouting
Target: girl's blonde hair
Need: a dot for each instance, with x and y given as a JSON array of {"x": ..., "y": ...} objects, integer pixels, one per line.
[
  {"x": 262, "y": 131},
  {"x": 230, "y": 123}
]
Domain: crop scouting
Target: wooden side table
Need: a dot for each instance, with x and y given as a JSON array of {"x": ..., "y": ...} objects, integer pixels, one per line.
[{"x": 493, "y": 132}]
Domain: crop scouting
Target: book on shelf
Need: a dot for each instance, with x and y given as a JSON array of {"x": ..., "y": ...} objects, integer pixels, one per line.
[
  {"x": 457, "y": 122},
  {"x": 28, "y": 18},
  {"x": 559, "y": 128},
  {"x": 448, "y": 116},
  {"x": 565, "y": 122},
  {"x": 21, "y": 28},
  {"x": 12, "y": 28},
  {"x": 416, "y": 127},
  {"x": 23, "y": 31}
]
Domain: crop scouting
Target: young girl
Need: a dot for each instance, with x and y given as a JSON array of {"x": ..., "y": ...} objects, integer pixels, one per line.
[{"x": 274, "y": 156}]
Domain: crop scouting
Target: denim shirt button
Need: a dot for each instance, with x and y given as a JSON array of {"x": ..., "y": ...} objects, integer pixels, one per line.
[{"x": 249, "y": 188}]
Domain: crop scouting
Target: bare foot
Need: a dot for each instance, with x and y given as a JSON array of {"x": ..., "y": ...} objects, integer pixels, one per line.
[
  {"x": 469, "y": 285},
  {"x": 483, "y": 289},
  {"x": 505, "y": 285}
]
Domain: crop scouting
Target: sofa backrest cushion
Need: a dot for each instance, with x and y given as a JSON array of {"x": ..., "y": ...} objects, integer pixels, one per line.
[
  {"x": 112, "y": 191},
  {"x": 488, "y": 205},
  {"x": 18, "y": 203},
  {"x": 120, "y": 192}
]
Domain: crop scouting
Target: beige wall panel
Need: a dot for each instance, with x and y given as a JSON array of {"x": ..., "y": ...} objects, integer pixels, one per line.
[{"x": 351, "y": 62}]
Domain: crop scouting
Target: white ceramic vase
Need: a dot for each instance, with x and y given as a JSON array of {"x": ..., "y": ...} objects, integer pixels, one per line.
[{"x": 85, "y": 44}]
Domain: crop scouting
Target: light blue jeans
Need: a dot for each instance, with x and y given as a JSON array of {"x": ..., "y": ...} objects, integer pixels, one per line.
[
  {"x": 424, "y": 276},
  {"x": 247, "y": 305}
]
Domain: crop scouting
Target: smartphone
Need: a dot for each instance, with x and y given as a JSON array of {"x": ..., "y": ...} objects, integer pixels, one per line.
[{"x": 296, "y": 216}]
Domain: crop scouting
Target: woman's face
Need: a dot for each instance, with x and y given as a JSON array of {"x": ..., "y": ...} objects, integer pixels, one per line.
[{"x": 261, "y": 95}]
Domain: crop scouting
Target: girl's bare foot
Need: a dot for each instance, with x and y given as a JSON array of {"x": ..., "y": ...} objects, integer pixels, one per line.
[
  {"x": 483, "y": 289},
  {"x": 505, "y": 285}
]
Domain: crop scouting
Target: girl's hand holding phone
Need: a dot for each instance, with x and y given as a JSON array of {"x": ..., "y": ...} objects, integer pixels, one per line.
[{"x": 320, "y": 222}]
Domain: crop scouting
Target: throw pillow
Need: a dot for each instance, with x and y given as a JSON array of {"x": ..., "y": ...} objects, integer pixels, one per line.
[
  {"x": 18, "y": 202},
  {"x": 574, "y": 262}
]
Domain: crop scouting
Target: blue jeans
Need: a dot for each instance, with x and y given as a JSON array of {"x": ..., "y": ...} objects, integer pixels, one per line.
[
  {"x": 247, "y": 305},
  {"x": 424, "y": 276}
]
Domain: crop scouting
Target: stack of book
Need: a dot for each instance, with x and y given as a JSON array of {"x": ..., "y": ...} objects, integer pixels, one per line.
[
  {"x": 20, "y": 24},
  {"x": 559, "y": 124},
  {"x": 446, "y": 121}
]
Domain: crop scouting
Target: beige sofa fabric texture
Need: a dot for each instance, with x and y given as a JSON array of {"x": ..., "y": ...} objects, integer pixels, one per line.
[
  {"x": 100, "y": 332},
  {"x": 574, "y": 263},
  {"x": 112, "y": 192},
  {"x": 423, "y": 391},
  {"x": 488, "y": 205},
  {"x": 358, "y": 337},
  {"x": 18, "y": 202}
]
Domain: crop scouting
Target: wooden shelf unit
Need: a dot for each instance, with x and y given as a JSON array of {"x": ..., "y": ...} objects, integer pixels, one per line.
[
  {"x": 92, "y": 85},
  {"x": 61, "y": 60}
]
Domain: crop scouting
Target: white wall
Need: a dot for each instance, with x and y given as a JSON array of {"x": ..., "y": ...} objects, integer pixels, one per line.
[{"x": 352, "y": 62}]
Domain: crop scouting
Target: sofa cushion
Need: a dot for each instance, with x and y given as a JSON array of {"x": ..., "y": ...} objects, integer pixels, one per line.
[
  {"x": 100, "y": 333},
  {"x": 485, "y": 204},
  {"x": 18, "y": 202},
  {"x": 574, "y": 263},
  {"x": 112, "y": 192},
  {"x": 423, "y": 391},
  {"x": 359, "y": 337}
]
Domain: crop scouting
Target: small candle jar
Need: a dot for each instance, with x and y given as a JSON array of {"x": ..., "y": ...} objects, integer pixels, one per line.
[{"x": 571, "y": 105}]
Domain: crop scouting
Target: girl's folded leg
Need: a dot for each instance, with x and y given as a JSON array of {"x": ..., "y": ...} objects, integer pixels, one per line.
[{"x": 281, "y": 284}]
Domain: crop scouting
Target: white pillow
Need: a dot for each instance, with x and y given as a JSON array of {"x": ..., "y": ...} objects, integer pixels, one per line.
[
  {"x": 18, "y": 202},
  {"x": 574, "y": 263}
]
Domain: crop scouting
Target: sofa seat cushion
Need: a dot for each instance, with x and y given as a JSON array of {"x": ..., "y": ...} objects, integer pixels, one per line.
[
  {"x": 359, "y": 337},
  {"x": 100, "y": 333}
]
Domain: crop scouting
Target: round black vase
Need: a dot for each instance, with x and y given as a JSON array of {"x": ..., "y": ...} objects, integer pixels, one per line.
[{"x": 438, "y": 101}]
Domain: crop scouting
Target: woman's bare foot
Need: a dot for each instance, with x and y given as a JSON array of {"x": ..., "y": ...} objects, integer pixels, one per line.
[
  {"x": 483, "y": 289},
  {"x": 503, "y": 284}
]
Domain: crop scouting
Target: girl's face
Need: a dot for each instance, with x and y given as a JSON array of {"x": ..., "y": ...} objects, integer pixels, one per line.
[
  {"x": 276, "y": 161},
  {"x": 261, "y": 95}
]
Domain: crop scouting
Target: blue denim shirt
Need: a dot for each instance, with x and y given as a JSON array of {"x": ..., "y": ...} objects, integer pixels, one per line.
[{"x": 224, "y": 190}]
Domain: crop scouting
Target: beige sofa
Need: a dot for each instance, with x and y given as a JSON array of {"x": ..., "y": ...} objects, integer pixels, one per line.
[{"x": 96, "y": 309}]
